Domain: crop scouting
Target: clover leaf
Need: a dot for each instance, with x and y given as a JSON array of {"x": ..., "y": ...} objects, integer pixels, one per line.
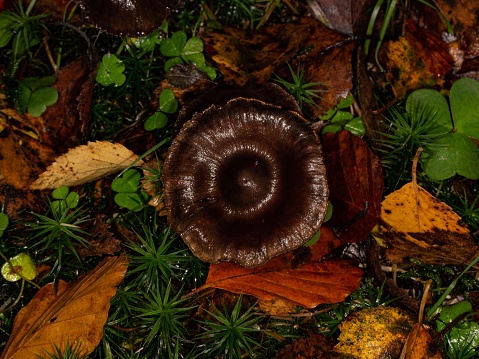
[
  {"x": 111, "y": 71},
  {"x": 168, "y": 104},
  {"x": 129, "y": 194},
  {"x": 64, "y": 200},
  {"x": 35, "y": 94},
  {"x": 449, "y": 149}
]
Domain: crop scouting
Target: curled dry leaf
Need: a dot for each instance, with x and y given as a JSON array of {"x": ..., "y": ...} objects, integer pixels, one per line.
[
  {"x": 86, "y": 163},
  {"x": 420, "y": 345},
  {"x": 296, "y": 276},
  {"x": 76, "y": 313}
]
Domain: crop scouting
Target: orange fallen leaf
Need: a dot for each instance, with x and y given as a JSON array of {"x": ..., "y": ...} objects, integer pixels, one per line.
[
  {"x": 76, "y": 313},
  {"x": 420, "y": 345},
  {"x": 85, "y": 163},
  {"x": 296, "y": 276}
]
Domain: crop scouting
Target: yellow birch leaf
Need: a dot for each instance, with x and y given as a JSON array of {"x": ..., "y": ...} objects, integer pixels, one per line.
[
  {"x": 76, "y": 313},
  {"x": 85, "y": 163}
]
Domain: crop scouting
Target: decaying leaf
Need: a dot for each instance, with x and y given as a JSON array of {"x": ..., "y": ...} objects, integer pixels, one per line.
[
  {"x": 242, "y": 56},
  {"x": 296, "y": 276},
  {"x": 355, "y": 182},
  {"x": 422, "y": 227},
  {"x": 374, "y": 333},
  {"x": 76, "y": 313},
  {"x": 102, "y": 240},
  {"x": 86, "y": 163},
  {"x": 313, "y": 346}
]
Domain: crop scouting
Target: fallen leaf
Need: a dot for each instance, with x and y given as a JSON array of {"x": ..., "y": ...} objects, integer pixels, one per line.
[
  {"x": 374, "y": 333},
  {"x": 420, "y": 345},
  {"x": 276, "y": 306},
  {"x": 421, "y": 226},
  {"x": 86, "y": 163},
  {"x": 102, "y": 240},
  {"x": 313, "y": 346},
  {"x": 355, "y": 181},
  {"x": 76, "y": 313},
  {"x": 244, "y": 56},
  {"x": 299, "y": 278}
]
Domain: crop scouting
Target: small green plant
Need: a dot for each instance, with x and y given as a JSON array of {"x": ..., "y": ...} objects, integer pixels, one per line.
[
  {"x": 130, "y": 194},
  {"x": 69, "y": 353},
  {"x": 302, "y": 90},
  {"x": 22, "y": 29},
  {"x": 110, "y": 71},
  {"x": 19, "y": 267},
  {"x": 35, "y": 94},
  {"x": 229, "y": 334},
  {"x": 3, "y": 222},
  {"x": 153, "y": 260},
  {"x": 59, "y": 230},
  {"x": 462, "y": 341},
  {"x": 341, "y": 119},
  {"x": 163, "y": 316},
  {"x": 180, "y": 50},
  {"x": 168, "y": 105}
]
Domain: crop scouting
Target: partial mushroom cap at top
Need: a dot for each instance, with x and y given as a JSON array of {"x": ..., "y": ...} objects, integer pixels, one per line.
[
  {"x": 245, "y": 182},
  {"x": 127, "y": 17}
]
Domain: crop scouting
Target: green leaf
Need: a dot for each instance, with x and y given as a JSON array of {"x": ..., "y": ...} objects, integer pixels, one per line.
[
  {"x": 111, "y": 71},
  {"x": 72, "y": 200},
  {"x": 313, "y": 239},
  {"x": 147, "y": 43},
  {"x": 193, "y": 46},
  {"x": 331, "y": 112},
  {"x": 23, "y": 264},
  {"x": 40, "y": 99},
  {"x": 3, "y": 223},
  {"x": 128, "y": 183},
  {"x": 5, "y": 36},
  {"x": 331, "y": 129},
  {"x": 168, "y": 103},
  {"x": 451, "y": 154},
  {"x": 345, "y": 102},
  {"x": 430, "y": 105},
  {"x": 342, "y": 116},
  {"x": 464, "y": 98},
  {"x": 172, "y": 62},
  {"x": 23, "y": 97},
  {"x": 35, "y": 83},
  {"x": 198, "y": 59},
  {"x": 356, "y": 127},
  {"x": 210, "y": 71},
  {"x": 60, "y": 192},
  {"x": 156, "y": 121},
  {"x": 174, "y": 45},
  {"x": 451, "y": 312},
  {"x": 130, "y": 201}
]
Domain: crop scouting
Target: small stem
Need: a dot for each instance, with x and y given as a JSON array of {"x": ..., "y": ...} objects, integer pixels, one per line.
[{"x": 30, "y": 7}]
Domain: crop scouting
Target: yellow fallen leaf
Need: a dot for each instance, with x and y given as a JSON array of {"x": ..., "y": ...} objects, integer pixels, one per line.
[
  {"x": 374, "y": 333},
  {"x": 86, "y": 163},
  {"x": 406, "y": 210},
  {"x": 76, "y": 313}
]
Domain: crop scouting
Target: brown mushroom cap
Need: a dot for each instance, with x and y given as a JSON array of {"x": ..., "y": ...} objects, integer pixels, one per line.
[
  {"x": 126, "y": 17},
  {"x": 245, "y": 182}
]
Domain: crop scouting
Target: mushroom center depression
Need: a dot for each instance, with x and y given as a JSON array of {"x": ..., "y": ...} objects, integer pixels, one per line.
[{"x": 246, "y": 182}]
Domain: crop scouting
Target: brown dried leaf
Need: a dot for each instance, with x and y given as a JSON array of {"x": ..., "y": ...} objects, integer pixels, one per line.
[
  {"x": 355, "y": 179},
  {"x": 420, "y": 345},
  {"x": 244, "y": 56},
  {"x": 86, "y": 163},
  {"x": 101, "y": 242},
  {"x": 295, "y": 276},
  {"x": 76, "y": 313},
  {"x": 313, "y": 346}
]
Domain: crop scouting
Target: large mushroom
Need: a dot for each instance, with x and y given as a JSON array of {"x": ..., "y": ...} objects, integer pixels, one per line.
[
  {"x": 245, "y": 182},
  {"x": 127, "y": 17}
]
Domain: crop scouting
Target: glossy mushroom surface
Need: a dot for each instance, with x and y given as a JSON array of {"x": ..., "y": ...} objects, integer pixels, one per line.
[
  {"x": 245, "y": 182},
  {"x": 127, "y": 17}
]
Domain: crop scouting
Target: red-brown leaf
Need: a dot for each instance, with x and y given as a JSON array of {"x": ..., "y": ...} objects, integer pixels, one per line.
[
  {"x": 355, "y": 178},
  {"x": 308, "y": 285}
]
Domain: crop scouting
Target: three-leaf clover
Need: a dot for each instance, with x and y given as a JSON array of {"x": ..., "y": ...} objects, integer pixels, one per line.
[
  {"x": 64, "y": 200},
  {"x": 168, "y": 105},
  {"x": 35, "y": 94},
  {"x": 111, "y": 71},
  {"x": 182, "y": 50},
  {"x": 452, "y": 150},
  {"x": 129, "y": 194},
  {"x": 341, "y": 119}
]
